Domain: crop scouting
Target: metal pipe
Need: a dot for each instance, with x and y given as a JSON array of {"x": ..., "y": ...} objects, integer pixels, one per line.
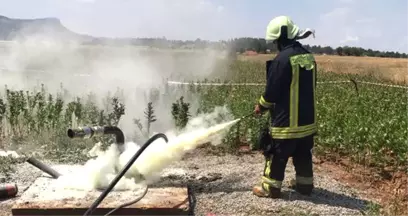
[
  {"x": 43, "y": 167},
  {"x": 89, "y": 132}
]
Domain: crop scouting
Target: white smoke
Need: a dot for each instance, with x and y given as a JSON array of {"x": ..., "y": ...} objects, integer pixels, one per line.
[
  {"x": 80, "y": 69},
  {"x": 99, "y": 172}
]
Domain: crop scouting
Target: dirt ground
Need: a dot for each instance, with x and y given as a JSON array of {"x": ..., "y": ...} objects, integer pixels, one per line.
[{"x": 222, "y": 184}]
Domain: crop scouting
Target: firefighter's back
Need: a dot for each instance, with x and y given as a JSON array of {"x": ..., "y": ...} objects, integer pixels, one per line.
[
  {"x": 294, "y": 115},
  {"x": 297, "y": 131}
]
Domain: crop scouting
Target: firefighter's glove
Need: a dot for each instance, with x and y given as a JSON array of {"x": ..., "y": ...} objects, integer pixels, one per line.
[
  {"x": 258, "y": 110},
  {"x": 265, "y": 141}
]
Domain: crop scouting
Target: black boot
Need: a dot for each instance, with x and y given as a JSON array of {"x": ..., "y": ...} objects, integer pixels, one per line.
[{"x": 304, "y": 189}]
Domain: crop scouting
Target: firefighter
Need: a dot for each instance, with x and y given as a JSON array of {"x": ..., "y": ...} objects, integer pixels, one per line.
[{"x": 291, "y": 101}]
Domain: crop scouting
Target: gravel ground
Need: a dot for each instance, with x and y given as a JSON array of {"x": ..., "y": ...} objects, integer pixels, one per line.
[
  {"x": 24, "y": 175},
  {"x": 223, "y": 185}
]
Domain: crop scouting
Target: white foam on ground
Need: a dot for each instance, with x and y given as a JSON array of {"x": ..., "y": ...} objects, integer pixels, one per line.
[
  {"x": 46, "y": 193},
  {"x": 9, "y": 154}
]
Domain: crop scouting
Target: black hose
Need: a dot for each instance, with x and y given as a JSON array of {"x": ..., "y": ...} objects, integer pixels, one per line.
[
  {"x": 43, "y": 167},
  {"x": 124, "y": 170},
  {"x": 120, "y": 138},
  {"x": 88, "y": 132},
  {"x": 355, "y": 86}
]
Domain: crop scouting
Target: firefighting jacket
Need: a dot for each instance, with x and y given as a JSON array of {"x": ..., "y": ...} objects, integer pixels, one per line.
[{"x": 290, "y": 93}]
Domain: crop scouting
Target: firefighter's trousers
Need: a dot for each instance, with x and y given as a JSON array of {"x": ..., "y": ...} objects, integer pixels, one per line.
[{"x": 277, "y": 154}]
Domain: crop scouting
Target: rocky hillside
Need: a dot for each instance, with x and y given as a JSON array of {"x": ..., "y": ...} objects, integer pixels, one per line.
[
  {"x": 52, "y": 29},
  {"x": 46, "y": 28}
]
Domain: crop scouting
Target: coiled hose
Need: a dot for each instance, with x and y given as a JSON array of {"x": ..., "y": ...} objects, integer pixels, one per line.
[{"x": 120, "y": 175}]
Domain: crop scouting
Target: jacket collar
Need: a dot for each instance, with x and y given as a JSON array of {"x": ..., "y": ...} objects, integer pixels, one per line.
[{"x": 289, "y": 45}]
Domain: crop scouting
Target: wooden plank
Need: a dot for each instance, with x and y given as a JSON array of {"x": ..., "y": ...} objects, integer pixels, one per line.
[{"x": 42, "y": 198}]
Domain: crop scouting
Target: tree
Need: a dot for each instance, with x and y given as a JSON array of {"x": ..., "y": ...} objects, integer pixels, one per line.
[{"x": 246, "y": 43}]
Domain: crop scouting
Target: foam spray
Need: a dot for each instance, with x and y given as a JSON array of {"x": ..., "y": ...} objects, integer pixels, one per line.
[{"x": 100, "y": 171}]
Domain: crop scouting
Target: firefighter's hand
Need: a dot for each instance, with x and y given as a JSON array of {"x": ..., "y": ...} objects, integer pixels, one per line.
[{"x": 257, "y": 110}]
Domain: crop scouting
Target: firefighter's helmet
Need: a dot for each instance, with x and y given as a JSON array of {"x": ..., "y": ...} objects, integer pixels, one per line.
[{"x": 274, "y": 29}]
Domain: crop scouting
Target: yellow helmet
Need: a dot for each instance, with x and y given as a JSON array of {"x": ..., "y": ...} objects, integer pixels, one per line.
[{"x": 273, "y": 30}]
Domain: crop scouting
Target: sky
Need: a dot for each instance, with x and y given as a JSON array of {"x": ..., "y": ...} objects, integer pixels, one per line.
[{"x": 376, "y": 24}]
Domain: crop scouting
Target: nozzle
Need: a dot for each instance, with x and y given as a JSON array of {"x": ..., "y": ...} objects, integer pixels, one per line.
[
  {"x": 249, "y": 115},
  {"x": 85, "y": 132},
  {"x": 89, "y": 132}
]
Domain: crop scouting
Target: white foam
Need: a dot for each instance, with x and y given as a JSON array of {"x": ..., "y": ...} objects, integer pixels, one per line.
[{"x": 100, "y": 171}]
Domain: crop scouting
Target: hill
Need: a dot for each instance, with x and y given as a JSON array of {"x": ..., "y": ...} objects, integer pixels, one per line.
[{"x": 44, "y": 28}]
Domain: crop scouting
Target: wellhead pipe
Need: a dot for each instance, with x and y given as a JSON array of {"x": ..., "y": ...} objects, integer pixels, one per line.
[{"x": 43, "y": 167}]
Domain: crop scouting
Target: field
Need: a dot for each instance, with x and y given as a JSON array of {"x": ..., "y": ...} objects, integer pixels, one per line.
[
  {"x": 367, "y": 129},
  {"x": 391, "y": 69}
]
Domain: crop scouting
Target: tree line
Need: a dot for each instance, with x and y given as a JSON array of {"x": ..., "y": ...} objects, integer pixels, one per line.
[
  {"x": 242, "y": 45},
  {"x": 259, "y": 45}
]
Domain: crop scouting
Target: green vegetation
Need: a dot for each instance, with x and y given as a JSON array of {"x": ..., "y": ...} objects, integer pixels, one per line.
[
  {"x": 180, "y": 113},
  {"x": 370, "y": 126},
  {"x": 36, "y": 122}
]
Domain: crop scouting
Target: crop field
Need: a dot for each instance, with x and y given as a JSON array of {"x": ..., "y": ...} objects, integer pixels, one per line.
[
  {"x": 391, "y": 69},
  {"x": 370, "y": 125}
]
